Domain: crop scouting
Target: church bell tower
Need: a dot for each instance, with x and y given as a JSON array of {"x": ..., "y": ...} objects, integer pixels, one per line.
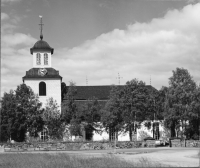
[{"x": 42, "y": 78}]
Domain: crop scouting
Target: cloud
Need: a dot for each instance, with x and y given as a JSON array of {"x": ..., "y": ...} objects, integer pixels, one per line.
[
  {"x": 142, "y": 50},
  {"x": 11, "y": 40},
  {"x": 4, "y": 16},
  {"x": 193, "y": 1},
  {"x": 5, "y": 2}
]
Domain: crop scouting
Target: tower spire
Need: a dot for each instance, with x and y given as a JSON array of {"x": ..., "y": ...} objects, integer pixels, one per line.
[{"x": 41, "y": 24}]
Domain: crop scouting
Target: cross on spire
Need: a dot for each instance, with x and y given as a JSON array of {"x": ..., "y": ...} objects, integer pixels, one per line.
[
  {"x": 86, "y": 81},
  {"x": 41, "y": 24},
  {"x": 150, "y": 79},
  {"x": 119, "y": 78}
]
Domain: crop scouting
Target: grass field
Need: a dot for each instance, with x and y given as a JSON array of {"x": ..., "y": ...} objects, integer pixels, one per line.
[{"x": 33, "y": 160}]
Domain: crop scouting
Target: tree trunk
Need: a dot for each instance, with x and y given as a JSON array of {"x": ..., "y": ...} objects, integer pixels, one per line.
[
  {"x": 130, "y": 133},
  {"x": 173, "y": 131}
]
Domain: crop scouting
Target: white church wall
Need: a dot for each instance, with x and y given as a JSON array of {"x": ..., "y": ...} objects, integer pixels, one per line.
[
  {"x": 53, "y": 89},
  {"x": 149, "y": 132},
  {"x": 105, "y": 136},
  {"x": 101, "y": 137}
]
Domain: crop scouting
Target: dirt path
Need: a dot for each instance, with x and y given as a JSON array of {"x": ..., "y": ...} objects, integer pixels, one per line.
[{"x": 179, "y": 157}]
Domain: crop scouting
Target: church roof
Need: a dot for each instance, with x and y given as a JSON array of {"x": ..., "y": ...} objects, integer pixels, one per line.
[
  {"x": 99, "y": 92},
  {"x": 41, "y": 45},
  {"x": 88, "y": 92},
  {"x": 35, "y": 73}
]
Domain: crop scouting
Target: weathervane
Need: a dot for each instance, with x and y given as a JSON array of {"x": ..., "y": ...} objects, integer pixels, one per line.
[
  {"x": 150, "y": 79},
  {"x": 41, "y": 24},
  {"x": 119, "y": 78},
  {"x": 86, "y": 81}
]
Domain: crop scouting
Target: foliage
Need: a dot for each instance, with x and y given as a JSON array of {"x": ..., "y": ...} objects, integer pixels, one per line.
[
  {"x": 52, "y": 119},
  {"x": 63, "y": 90},
  {"x": 80, "y": 117},
  {"x": 69, "y": 108},
  {"x": 143, "y": 134},
  {"x": 21, "y": 113},
  {"x": 137, "y": 103},
  {"x": 90, "y": 114},
  {"x": 111, "y": 115},
  {"x": 179, "y": 100}
]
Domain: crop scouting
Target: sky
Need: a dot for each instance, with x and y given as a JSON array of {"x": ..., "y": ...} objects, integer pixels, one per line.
[{"x": 99, "y": 39}]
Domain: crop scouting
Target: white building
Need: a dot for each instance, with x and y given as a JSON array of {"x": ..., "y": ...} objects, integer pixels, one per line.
[{"x": 44, "y": 80}]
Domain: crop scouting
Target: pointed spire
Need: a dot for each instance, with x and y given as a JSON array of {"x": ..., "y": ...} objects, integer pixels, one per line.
[{"x": 41, "y": 24}]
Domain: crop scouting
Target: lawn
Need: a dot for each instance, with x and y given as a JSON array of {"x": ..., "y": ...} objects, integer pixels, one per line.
[{"x": 61, "y": 160}]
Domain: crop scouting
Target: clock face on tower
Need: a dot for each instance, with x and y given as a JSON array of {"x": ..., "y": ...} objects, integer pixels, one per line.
[{"x": 42, "y": 71}]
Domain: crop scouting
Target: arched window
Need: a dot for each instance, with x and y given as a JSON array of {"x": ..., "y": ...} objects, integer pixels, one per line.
[
  {"x": 42, "y": 89},
  {"x": 45, "y": 59},
  {"x": 38, "y": 59},
  {"x": 44, "y": 135}
]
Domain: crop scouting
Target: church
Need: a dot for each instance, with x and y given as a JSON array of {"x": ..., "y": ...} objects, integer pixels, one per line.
[
  {"x": 42, "y": 78},
  {"x": 45, "y": 81}
]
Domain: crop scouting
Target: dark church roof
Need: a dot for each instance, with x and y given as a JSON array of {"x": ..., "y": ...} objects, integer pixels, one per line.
[
  {"x": 41, "y": 45},
  {"x": 99, "y": 92},
  {"x": 34, "y": 73}
]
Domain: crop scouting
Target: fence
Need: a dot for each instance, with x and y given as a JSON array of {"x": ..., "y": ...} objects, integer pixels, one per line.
[{"x": 59, "y": 146}]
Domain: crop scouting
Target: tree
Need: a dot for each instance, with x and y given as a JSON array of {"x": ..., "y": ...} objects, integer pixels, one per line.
[
  {"x": 178, "y": 100},
  {"x": 89, "y": 114},
  {"x": 52, "y": 119},
  {"x": 137, "y": 103},
  {"x": 192, "y": 129},
  {"x": 7, "y": 115},
  {"x": 80, "y": 116},
  {"x": 70, "y": 110},
  {"x": 63, "y": 90},
  {"x": 21, "y": 113},
  {"x": 111, "y": 114}
]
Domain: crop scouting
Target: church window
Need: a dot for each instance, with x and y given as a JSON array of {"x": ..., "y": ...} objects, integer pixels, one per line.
[
  {"x": 112, "y": 134},
  {"x": 38, "y": 59},
  {"x": 45, "y": 59},
  {"x": 42, "y": 89},
  {"x": 44, "y": 135}
]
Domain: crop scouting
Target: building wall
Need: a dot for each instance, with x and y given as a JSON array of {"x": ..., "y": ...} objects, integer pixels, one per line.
[
  {"x": 42, "y": 60},
  {"x": 145, "y": 131},
  {"x": 53, "y": 89},
  {"x": 105, "y": 136}
]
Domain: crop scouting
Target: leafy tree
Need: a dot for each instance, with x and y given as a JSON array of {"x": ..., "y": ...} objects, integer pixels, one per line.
[
  {"x": 7, "y": 115},
  {"x": 52, "y": 119},
  {"x": 138, "y": 104},
  {"x": 63, "y": 90},
  {"x": 70, "y": 110},
  {"x": 192, "y": 129},
  {"x": 89, "y": 114},
  {"x": 21, "y": 113},
  {"x": 111, "y": 114},
  {"x": 178, "y": 100}
]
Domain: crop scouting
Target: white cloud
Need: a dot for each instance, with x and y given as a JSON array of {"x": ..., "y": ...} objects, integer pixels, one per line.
[
  {"x": 12, "y": 40},
  {"x": 9, "y": 1},
  {"x": 142, "y": 50},
  {"x": 6, "y": 2},
  {"x": 4, "y": 16}
]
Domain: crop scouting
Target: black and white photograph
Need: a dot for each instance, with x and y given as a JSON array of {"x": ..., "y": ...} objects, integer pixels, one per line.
[{"x": 100, "y": 83}]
